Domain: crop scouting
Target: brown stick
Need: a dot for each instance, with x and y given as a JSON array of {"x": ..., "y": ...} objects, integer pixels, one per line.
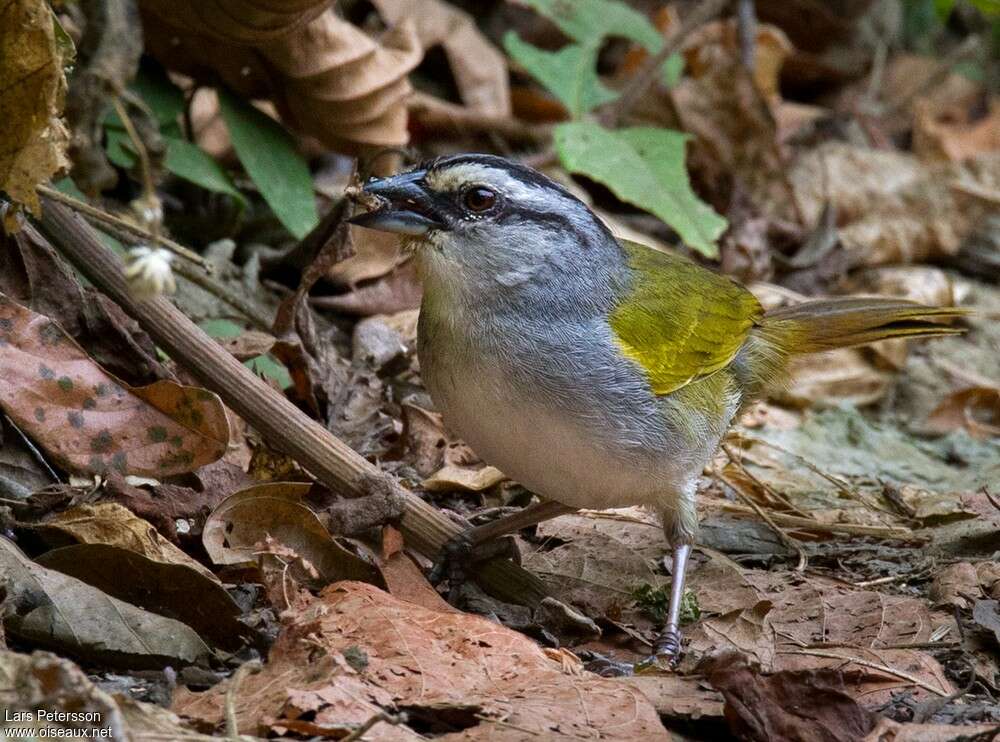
[
  {"x": 647, "y": 75},
  {"x": 279, "y": 422}
]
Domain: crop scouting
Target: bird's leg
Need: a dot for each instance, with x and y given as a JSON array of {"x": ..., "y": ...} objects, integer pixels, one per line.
[
  {"x": 680, "y": 526},
  {"x": 668, "y": 643},
  {"x": 465, "y": 547}
]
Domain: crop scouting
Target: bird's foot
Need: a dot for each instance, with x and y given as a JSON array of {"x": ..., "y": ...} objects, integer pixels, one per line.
[
  {"x": 459, "y": 554},
  {"x": 666, "y": 652}
]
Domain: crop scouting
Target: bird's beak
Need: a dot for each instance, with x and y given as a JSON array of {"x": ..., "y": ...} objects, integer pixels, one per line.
[{"x": 400, "y": 204}]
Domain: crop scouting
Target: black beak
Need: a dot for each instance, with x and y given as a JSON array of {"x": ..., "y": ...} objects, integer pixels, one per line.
[{"x": 404, "y": 205}]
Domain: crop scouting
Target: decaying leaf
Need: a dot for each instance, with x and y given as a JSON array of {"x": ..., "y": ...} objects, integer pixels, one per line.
[
  {"x": 956, "y": 585},
  {"x": 89, "y": 421},
  {"x": 31, "y": 97},
  {"x": 326, "y": 77},
  {"x": 241, "y": 523},
  {"x": 836, "y": 377},
  {"x": 976, "y": 410},
  {"x": 41, "y": 681},
  {"x": 166, "y": 589},
  {"x": 111, "y": 524},
  {"x": 892, "y": 208},
  {"x": 357, "y": 646},
  {"x": 50, "y": 609},
  {"x": 463, "y": 479},
  {"x": 480, "y": 70},
  {"x": 943, "y": 138},
  {"x": 790, "y": 706}
]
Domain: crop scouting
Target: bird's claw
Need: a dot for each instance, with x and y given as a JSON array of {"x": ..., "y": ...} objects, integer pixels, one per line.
[{"x": 666, "y": 652}]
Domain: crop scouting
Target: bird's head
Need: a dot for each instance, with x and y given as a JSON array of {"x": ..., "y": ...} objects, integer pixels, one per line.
[{"x": 486, "y": 220}]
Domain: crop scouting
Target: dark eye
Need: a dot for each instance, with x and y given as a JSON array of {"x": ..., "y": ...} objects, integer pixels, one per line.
[{"x": 479, "y": 199}]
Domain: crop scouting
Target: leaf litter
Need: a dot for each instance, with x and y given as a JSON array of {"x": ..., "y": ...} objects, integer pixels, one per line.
[{"x": 876, "y": 468}]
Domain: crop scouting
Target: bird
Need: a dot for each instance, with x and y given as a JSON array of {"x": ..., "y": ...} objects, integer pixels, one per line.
[{"x": 597, "y": 372}]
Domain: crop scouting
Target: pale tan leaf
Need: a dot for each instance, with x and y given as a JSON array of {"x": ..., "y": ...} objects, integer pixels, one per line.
[{"x": 34, "y": 141}]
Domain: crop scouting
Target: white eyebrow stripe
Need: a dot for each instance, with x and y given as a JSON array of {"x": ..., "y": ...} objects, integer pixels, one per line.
[{"x": 451, "y": 178}]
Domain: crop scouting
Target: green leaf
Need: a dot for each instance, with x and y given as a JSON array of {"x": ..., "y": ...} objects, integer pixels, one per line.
[
  {"x": 570, "y": 74},
  {"x": 645, "y": 167},
  {"x": 192, "y": 163},
  {"x": 268, "y": 153},
  {"x": 164, "y": 99},
  {"x": 589, "y": 21},
  {"x": 673, "y": 68}
]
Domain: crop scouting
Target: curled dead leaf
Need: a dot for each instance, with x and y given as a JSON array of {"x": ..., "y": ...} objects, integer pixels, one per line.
[
  {"x": 91, "y": 422},
  {"x": 31, "y": 98},
  {"x": 327, "y": 78},
  {"x": 243, "y": 521},
  {"x": 975, "y": 410},
  {"x": 479, "y": 68}
]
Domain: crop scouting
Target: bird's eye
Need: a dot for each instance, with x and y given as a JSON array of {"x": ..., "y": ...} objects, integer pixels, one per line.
[{"x": 479, "y": 199}]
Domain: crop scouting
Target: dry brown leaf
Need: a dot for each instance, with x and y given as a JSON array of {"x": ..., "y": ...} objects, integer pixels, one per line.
[
  {"x": 679, "y": 697},
  {"x": 789, "y": 706},
  {"x": 937, "y": 137},
  {"x": 49, "y": 609},
  {"x": 435, "y": 665},
  {"x": 167, "y": 589},
  {"x": 975, "y": 410},
  {"x": 42, "y": 681},
  {"x": 110, "y": 523},
  {"x": 376, "y": 254},
  {"x": 891, "y": 207},
  {"x": 833, "y": 378},
  {"x": 244, "y": 520},
  {"x": 956, "y": 585},
  {"x": 34, "y": 141},
  {"x": 327, "y": 78},
  {"x": 463, "y": 479},
  {"x": 479, "y": 68},
  {"x": 731, "y": 113},
  {"x": 89, "y": 421}
]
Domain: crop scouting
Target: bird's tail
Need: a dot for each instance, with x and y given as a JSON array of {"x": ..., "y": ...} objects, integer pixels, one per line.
[{"x": 815, "y": 326}]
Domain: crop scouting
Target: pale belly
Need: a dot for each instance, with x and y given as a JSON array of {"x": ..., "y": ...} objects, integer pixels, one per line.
[{"x": 553, "y": 453}]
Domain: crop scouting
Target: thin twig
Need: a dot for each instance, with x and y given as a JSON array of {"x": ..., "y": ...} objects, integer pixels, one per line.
[
  {"x": 649, "y": 73},
  {"x": 145, "y": 164},
  {"x": 850, "y": 529},
  {"x": 787, "y": 540},
  {"x": 232, "y": 724},
  {"x": 106, "y": 218},
  {"x": 737, "y": 461},
  {"x": 873, "y": 666},
  {"x": 380, "y": 718},
  {"x": 200, "y": 278}
]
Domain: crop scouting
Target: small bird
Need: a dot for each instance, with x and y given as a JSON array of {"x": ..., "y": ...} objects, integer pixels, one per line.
[{"x": 596, "y": 372}]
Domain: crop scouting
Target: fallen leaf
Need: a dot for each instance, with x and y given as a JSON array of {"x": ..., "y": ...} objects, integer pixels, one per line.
[
  {"x": 113, "y": 525},
  {"x": 41, "y": 681},
  {"x": 50, "y": 609},
  {"x": 744, "y": 630},
  {"x": 975, "y": 410},
  {"x": 31, "y": 97},
  {"x": 167, "y": 589},
  {"x": 955, "y": 585},
  {"x": 35, "y": 276},
  {"x": 952, "y": 137},
  {"x": 679, "y": 697},
  {"x": 891, "y": 207},
  {"x": 986, "y": 613},
  {"x": 463, "y": 479},
  {"x": 479, "y": 68},
  {"x": 490, "y": 682},
  {"x": 247, "y": 518},
  {"x": 789, "y": 706},
  {"x": 89, "y": 421},
  {"x": 840, "y": 376},
  {"x": 327, "y": 77}
]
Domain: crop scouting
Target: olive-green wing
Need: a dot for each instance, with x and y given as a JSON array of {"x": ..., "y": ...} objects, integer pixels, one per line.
[{"x": 680, "y": 321}]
